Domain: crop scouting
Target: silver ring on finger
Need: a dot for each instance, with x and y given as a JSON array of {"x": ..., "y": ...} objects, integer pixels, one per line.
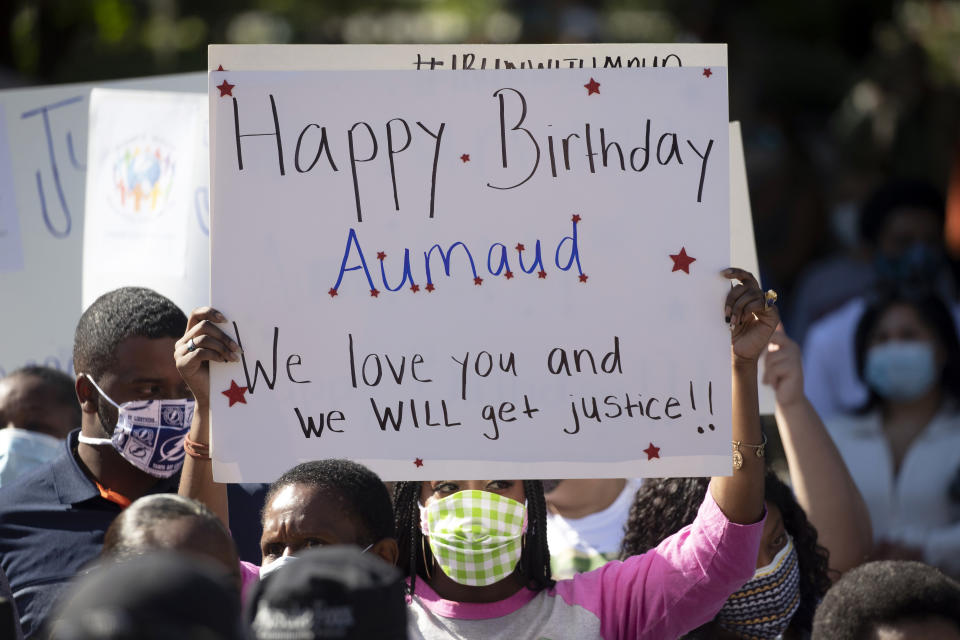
[{"x": 191, "y": 346}]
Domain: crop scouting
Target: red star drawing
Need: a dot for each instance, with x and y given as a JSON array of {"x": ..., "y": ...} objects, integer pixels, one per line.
[
  {"x": 414, "y": 288},
  {"x": 508, "y": 275},
  {"x": 430, "y": 287},
  {"x": 707, "y": 73},
  {"x": 332, "y": 292},
  {"x": 583, "y": 277},
  {"x": 465, "y": 157},
  {"x": 542, "y": 274},
  {"x": 418, "y": 462},
  {"x": 652, "y": 452},
  {"x": 374, "y": 293},
  {"x": 592, "y": 87},
  {"x": 381, "y": 255},
  {"x": 575, "y": 218},
  {"x": 681, "y": 261},
  {"x": 520, "y": 247},
  {"x": 478, "y": 281},
  {"x": 235, "y": 393},
  {"x": 220, "y": 68},
  {"x": 225, "y": 88}
]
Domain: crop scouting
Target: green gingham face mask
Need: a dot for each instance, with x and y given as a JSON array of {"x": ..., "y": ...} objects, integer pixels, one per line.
[{"x": 476, "y": 536}]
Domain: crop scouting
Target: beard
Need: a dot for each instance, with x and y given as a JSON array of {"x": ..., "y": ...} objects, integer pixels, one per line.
[{"x": 108, "y": 416}]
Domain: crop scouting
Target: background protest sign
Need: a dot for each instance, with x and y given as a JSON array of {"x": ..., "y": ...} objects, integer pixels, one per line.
[
  {"x": 45, "y": 131},
  {"x": 451, "y": 276},
  {"x": 147, "y": 217}
]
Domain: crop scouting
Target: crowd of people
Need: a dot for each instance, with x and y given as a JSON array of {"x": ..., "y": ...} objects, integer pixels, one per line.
[{"x": 858, "y": 538}]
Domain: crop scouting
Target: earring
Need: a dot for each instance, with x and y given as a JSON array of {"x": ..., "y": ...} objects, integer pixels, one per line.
[{"x": 426, "y": 565}]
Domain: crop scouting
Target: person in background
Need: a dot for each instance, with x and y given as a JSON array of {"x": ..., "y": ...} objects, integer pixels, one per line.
[
  {"x": 331, "y": 592},
  {"x": 38, "y": 409},
  {"x": 585, "y": 520},
  {"x": 170, "y": 522},
  {"x": 53, "y": 519},
  {"x": 890, "y": 600},
  {"x": 903, "y": 448},
  {"x": 318, "y": 503},
  {"x": 903, "y": 222},
  {"x": 791, "y": 567},
  {"x": 488, "y": 575},
  {"x": 157, "y": 596},
  {"x": 820, "y": 479}
]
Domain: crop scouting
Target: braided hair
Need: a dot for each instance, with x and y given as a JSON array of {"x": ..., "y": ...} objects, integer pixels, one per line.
[
  {"x": 534, "y": 563},
  {"x": 664, "y": 506}
]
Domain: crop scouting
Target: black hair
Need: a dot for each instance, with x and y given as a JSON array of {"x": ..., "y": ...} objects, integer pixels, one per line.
[
  {"x": 898, "y": 194},
  {"x": 885, "y": 592},
  {"x": 663, "y": 506},
  {"x": 534, "y": 563},
  {"x": 131, "y": 532},
  {"x": 934, "y": 314},
  {"x": 359, "y": 491},
  {"x": 117, "y": 315},
  {"x": 57, "y": 382}
]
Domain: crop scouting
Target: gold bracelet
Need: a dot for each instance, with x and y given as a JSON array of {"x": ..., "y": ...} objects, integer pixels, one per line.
[{"x": 738, "y": 457}]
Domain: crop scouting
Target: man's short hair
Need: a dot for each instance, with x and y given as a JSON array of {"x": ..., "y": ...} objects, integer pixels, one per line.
[
  {"x": 117, "y": 315},
  {"x": 885, "y": 592},
  {"x": 56, "y": 382}
]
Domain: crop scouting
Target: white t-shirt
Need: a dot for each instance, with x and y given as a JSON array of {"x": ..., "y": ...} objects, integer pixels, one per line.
[{"x": 583, "y": 544}]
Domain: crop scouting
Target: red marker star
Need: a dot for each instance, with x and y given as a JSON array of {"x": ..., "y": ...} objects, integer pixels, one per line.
[
  {"x": 414, "y": 288},
  {"x": 707, "y": 73},
  {"x": 520, "y": 247},
  {"x": 681, "y": 261},
  {"x": 430, "y": 287},
  {"x": 652, "y": 452},
  {"x": 508, "y": 275},
  {"x": 374, "y": 293},
  {"x": 575, "y": 218},
  {"x": 220, "y": 68},
  {"x": 418, "y": 462},
  {"x": 542, "y": 274},
  {"x": 225, "y": 88},
  {"x": 583, "y": 277},
  {"x": 465, "y": 157},
  {"x": 592, "y": 87},
  {"x": 332, "y": 292},
  {"x": 478, "y": 281},
  {"x": 235, "y": 393},
  {"x": 381, "y": 255}
]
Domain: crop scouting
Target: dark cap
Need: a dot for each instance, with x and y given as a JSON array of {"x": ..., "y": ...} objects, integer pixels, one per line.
[
  {"x": 156, "y": 595},
  {"x": 333, "y": 592}
]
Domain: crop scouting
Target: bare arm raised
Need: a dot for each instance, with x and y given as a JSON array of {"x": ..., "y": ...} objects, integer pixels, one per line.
[
  {"x": 751, "y": 321},
  {"x": 203, "y": 341}
]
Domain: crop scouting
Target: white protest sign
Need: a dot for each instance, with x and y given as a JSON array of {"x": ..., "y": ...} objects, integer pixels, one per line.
[
  {"x": 146, "y": 198},
  {"x": 414, "y": 262},
  {"x": 45, "y": 130}
]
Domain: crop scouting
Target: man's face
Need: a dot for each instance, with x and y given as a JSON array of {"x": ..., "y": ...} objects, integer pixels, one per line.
[
  {"x": 908, "y": 227},
  {"x": 143, "y": 369},
  {"x": 27, "y": 402}
]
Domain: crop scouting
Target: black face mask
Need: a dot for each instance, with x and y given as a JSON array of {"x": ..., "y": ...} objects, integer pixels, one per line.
[{"x": 919, "y": 266}]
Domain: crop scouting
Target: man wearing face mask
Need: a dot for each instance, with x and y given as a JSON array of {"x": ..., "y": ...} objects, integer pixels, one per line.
[
  {"x": 135, "y": 411},
  {"x": 903, "y": 222}
]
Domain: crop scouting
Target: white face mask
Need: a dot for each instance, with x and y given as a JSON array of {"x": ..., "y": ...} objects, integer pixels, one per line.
[
  {"x": 149, "y": 434},
  {"x": 22, "y": 450}
]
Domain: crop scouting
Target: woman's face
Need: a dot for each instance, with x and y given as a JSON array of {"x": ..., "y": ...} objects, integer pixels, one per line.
[
  {"x": 902, "y": 323},
  {"x": 439, "y": 489},
  {"x": 774, "y": 536}
]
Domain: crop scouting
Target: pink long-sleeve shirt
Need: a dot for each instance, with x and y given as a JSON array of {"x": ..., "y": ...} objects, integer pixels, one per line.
[{"x": 663, "y": 593}]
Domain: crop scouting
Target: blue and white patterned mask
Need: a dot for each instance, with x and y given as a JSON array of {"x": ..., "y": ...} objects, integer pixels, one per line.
[{"x": 149, "y": 434}]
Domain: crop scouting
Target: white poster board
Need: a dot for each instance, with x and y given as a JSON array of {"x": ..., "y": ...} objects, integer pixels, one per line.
[
  {"x": 45, "y": 131},
  {"x": 333, "y": 339},
  {"x": 147, "y": 222}
]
